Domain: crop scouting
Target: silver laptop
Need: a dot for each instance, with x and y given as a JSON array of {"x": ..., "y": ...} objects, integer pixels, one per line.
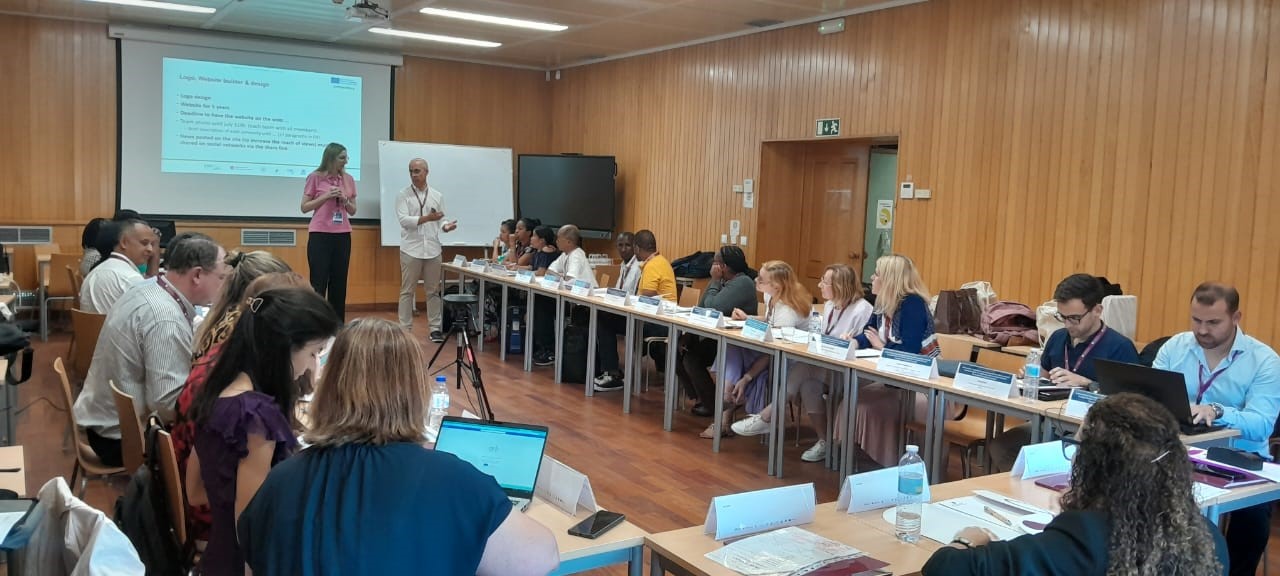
[{"x": 511, "y": 453}]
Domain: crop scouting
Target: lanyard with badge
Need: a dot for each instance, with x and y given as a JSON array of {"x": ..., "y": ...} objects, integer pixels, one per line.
[
  {"x": 174, "y": 294},
  {"x": 336, "y": 182},
  {"x": 1205, "y": 384},
  {"x": 1066, "y": 350},
  {"x": 832, "y": 325}
]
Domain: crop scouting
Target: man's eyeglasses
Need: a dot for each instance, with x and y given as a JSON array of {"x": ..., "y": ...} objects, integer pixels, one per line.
[{"x": 1071, "y": 318}]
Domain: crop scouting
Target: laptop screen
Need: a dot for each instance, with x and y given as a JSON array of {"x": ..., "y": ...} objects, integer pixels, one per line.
[{"x": 509, "y": 453}]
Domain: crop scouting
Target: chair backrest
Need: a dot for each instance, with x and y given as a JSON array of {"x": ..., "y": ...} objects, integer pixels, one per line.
[
  {"x": 604, "y": 281},
  {"x": 50, "y": 248},
  {"x": 131, "y": 450},
  {"x": 172, "y": 484},
  {"x": 690, "y": 297},
  {"x": 85, "y": 328},
  {"x": 997, "y": 360},
  {"x": 60, "y": 284},
  {"x": 954, "y": 348},
  {"x": 77, "y": 281},
  {"x": 66, "y": 390}
]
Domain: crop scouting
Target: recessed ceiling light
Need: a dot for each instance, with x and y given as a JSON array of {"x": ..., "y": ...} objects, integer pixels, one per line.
[
  {"x": 435, "y": 38},
  {"x": 160, "y": 5},
  {"x": 472, "y": 16}
]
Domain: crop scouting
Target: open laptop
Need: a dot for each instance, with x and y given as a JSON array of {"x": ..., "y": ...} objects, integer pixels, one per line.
[
  {"x": 1167, "y": 388},
  {"x": 511, "y": 453}
]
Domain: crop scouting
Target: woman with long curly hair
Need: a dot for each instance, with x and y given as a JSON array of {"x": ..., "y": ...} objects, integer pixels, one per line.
[{"x": 1129, "y": 511}]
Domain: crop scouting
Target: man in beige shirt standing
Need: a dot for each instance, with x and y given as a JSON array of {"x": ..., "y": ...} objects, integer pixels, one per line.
[{"x": 420, "y": 210}]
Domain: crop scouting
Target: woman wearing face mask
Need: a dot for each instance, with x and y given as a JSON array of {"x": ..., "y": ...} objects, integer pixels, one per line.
[{"x": 245, "y": 415}]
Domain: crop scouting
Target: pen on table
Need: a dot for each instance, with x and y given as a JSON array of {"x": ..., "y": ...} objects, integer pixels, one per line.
[
  {"x": 997, "y": 515},
  {"x": 9, "y": 470}
]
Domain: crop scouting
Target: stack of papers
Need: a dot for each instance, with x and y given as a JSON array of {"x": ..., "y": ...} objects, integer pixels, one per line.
[
  {"x": 1005, "y": 517},
  {"x": 782, "y": 552}
]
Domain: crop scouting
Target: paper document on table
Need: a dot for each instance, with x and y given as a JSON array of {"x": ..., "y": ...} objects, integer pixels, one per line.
[
  {"x": 781, "y": 552},
  {"x": 1204, "y": 492},
  {"x": 941, "y": 523}
]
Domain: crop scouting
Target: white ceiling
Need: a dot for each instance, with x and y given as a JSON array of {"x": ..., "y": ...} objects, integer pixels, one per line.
[{"x": 597, "y": 28}]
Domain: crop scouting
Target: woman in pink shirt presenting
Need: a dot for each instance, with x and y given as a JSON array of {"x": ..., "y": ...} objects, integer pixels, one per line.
[{"x": 330, "y": 196}]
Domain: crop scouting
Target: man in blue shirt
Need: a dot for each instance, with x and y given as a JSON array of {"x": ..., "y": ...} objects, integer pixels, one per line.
[
  {"x": 1069, "y": 352},
  {"x": 1232, "y": 380}
]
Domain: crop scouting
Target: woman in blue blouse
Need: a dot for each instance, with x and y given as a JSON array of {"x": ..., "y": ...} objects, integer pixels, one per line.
[
  {"x": 901, "y": 322},
  {"x": 368, "y": 498}
]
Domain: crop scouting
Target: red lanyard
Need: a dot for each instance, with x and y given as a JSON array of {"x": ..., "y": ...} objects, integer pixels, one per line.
[
  {"x": 1066, "y": 349},
  {"x": 831, "y": 325},
  {"x": 174, "y": 294},
  {"x": 1205, "y": 384}
]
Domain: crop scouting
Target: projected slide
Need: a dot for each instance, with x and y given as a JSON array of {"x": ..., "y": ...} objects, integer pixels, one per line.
[{"x": 250, "y": 120}]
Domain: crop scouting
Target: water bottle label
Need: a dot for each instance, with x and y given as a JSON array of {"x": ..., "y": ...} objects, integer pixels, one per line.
[
  {"x": 440, "y": 402},
  {"x": 1032, "y": 371},
  {"x": 910, "y": 486}
]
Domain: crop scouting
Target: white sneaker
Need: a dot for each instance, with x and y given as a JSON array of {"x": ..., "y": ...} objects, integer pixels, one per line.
[
  {"x": 752, "y": 425},
  {"x": 602, "y": 378},
  {"x": 816, "y": 453}
]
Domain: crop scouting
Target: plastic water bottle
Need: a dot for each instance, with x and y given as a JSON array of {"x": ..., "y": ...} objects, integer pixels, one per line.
[
  {"x": 1031, "y": 375},
  {"x": 439, "y": 403},
  {"x": 911, "y": 478},
  {"x": 815, "y": 326}
]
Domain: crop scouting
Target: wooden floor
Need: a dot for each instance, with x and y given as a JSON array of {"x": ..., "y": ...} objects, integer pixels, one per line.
[{"x": 660, "y": 480}]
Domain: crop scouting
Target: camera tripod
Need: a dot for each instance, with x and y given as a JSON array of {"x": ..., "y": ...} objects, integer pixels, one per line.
[{"x": 465, "y": 363}]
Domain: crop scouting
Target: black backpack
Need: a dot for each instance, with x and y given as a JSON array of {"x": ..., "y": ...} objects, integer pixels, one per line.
[
  {"x": 142, "y": 513},
  {"x": 696, "y": 265},
  {"x": 573, "y": 365}
]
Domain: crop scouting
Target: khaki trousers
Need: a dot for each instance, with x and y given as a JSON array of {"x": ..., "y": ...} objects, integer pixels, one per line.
[{"x": 411, "y": 271}]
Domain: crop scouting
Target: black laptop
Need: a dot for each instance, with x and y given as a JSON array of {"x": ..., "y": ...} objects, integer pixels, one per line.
[{"x": 1167, "y": 388}]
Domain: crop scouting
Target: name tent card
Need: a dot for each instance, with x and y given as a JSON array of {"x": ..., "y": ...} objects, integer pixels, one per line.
[
  {"x": 564, "y": 487},
  {"x": 872, "y": 491},
  {"x": 524, "y": 276},
  {"x": 909, "y": 365},
  {"x": 479, "y": 265},
  {"x": 757, "y": 330},
  {"x": 831, "y": 347},
  {"x": 985, "y": 381},
  {"x": 580, "y": 288},
  {"x": 707, "y": 317},
  {"x": 648, "y": 304},
  {"x": 615, "y": 296},
  {"x": 459, "y": 260},
  {"x": 750, "y": 512},
  {"x": 1079, "y": 402},
  {"x": 549, "y": 281},
  {"x": 1037, "y": 460}
]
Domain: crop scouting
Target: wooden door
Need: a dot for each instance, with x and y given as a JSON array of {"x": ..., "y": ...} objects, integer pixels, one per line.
[{"x": 833, "y": 213}]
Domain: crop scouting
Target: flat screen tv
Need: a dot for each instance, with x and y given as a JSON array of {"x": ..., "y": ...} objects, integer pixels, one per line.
[{"x": 568, "y": 189}]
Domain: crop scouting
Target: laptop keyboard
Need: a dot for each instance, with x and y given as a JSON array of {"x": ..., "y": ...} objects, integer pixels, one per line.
[{"x": 1194, "y": 429}]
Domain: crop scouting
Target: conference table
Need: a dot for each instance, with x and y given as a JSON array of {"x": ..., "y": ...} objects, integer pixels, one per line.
[
  {"x": 622, "y": 543},
  {"x": 852, "y": 374},
  {"x": 684, "y": 551}
]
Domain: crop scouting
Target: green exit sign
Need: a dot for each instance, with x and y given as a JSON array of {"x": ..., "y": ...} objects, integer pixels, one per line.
[{"x": 827, "y": 127}]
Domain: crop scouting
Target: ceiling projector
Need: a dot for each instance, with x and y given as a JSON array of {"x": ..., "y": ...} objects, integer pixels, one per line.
[{"x": 366, "y": 10}]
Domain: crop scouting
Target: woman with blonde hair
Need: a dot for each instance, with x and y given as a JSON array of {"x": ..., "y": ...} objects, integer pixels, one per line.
[
  {"x": 901, "y": 322},
  {"x": 746, "y": 372},
  {"x": 329, "y": 194},
  {"x": 844, "y": 313},
  {"x": 221, "y": 319},
  {"x": 368, "y": 498}
]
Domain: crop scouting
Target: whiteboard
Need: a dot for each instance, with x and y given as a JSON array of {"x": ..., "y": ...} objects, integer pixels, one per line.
[{"x": 477, "y": 184}]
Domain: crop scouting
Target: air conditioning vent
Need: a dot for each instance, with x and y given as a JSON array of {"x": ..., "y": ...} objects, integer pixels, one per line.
[
  {"x": 265, "y": 237},
  {"x": 26, "y": 234}
]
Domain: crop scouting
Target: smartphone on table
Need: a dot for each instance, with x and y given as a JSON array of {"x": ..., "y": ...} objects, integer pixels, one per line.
[{"x": 596, "y": 524}]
